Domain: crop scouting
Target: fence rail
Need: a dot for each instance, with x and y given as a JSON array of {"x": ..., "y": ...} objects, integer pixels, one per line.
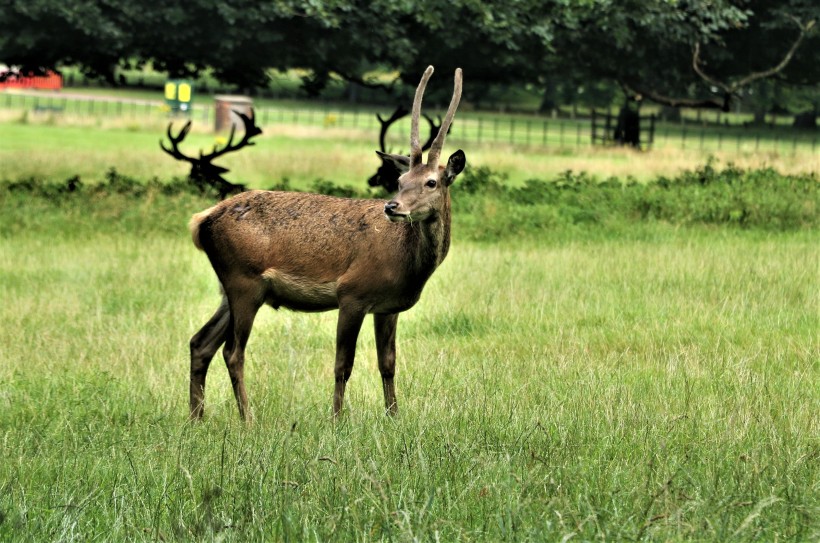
[{"x": 470, "y": 127}]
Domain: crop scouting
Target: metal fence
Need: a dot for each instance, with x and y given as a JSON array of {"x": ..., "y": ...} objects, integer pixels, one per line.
[{"x": 470, "y": 127}]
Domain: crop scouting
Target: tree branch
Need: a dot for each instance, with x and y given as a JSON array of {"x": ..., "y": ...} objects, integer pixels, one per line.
[
  {"x": 650, "y": 94},
  {"x": 731, "y": 89},
  {"x": 804, "y": 29},
  {"x": 366, "y": 84},
  {"x": 709, "y": 79}
]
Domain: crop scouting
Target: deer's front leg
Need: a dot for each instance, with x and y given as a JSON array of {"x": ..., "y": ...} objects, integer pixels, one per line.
[
  {"x": 386, "y": 352},
  {"x": 347, "y": 332}
]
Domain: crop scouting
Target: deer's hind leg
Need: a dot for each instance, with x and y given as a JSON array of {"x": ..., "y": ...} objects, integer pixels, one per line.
[
  {"x": 204, "y": 345},
  {"x": 244, "y": 304}
]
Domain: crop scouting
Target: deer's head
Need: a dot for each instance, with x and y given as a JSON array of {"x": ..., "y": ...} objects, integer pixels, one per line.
[{"x": 424, "y": 187}]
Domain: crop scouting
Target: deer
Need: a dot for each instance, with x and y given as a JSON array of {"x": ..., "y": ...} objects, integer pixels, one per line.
[
  {"x": 387, "y": 176},
  {"x": 202, "y": 170},
  {"x": 311, "y": 252}
]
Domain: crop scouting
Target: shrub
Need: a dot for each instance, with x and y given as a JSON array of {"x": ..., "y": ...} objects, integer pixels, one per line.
[{"x": 485, "y": 207}]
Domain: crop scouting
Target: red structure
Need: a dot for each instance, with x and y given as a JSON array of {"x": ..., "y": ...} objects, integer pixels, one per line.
[{"x": 12, "y": 80}]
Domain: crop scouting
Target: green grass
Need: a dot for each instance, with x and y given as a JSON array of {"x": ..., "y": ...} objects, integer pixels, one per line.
[
  {"x": 58, "y": 147},
  {"x": 653, "y": 386}
]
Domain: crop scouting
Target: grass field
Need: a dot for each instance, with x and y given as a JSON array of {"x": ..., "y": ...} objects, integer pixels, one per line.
[
  {"x": 63, "y": 135},
  {"x": 658, "y": 386},
  {"x": 65, "y": 147},
  {"x": 607, "y": 364}
]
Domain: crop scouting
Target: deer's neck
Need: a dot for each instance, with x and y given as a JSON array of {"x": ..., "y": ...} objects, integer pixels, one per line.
[{"x": 431, "y": 241}]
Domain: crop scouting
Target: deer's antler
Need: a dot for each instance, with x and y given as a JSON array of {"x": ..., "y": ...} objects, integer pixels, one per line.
[
  {"x": 251, "y": 130},
  {"x": 434, "y": 130},
  {"x": 175, "y": 141},
  {"x": 399, "y": 113},
  {"x": 415, "y": 147},
  {"x": 438, "y": 142},
  {"x": 202, "y": 169}
]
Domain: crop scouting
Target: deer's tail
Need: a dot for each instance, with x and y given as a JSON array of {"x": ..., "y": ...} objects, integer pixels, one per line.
[{"x": 195, "y": 222}]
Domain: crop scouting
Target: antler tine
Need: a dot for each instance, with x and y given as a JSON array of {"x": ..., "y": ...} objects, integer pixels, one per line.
[
  {"x": 251, "y": 130},
  {"x": 175, "y": 141},
  {"x": 415, "y": 146},
  {"x": 438, "y": 143}
]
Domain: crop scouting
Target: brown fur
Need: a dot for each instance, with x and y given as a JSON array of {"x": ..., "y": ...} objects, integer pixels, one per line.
[{"x": 310, "y": 252}]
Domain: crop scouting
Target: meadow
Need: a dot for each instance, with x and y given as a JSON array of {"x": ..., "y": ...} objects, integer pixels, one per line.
[
  {"x": 304, "y": 144},
  {"x": 604, "y": 361}
]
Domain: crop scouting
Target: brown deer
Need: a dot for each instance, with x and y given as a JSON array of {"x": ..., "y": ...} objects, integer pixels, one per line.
[
  {"x": 387, "y": 176},
  {"x": 309, "y": 252},
  {"x": 203, "y": 172}
]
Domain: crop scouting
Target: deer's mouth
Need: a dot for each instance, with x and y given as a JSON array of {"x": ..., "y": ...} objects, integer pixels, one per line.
[
  {"x": 397, "y": 216},
  {"x": 393, "y": 212}
]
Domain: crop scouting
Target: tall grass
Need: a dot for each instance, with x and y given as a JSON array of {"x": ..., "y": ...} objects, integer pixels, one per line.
[{"x": 649, "y": 387}]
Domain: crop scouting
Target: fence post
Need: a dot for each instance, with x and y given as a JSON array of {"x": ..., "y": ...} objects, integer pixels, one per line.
[
  {"x": 512, "y": 128},
  {"x": 544, "y": 134},
  {"x": 479, "y": 129},
  {"x": 592, "y": 127}
]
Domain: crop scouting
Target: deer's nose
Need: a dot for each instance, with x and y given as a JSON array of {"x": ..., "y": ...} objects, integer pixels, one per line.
[{"x": 390, "y": 207}]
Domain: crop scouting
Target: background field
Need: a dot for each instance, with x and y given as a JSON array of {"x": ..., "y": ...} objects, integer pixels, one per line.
[
  {"x": 614, "y": 361},
  {"x": 303, "y": 142}
]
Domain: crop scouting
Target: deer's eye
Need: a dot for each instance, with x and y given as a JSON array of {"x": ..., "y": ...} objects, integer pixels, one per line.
[{"x": 431, "y": 183}]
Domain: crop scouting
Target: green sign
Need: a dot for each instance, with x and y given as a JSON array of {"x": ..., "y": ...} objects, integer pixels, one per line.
[{"x": 179, "y": 94}]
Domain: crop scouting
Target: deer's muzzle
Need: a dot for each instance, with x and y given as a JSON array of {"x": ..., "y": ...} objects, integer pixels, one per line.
[{"x": 391, "y": 211}]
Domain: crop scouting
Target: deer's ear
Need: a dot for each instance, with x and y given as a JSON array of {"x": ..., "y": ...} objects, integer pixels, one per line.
[
  {"x": 455, "y": 165},
  {"x": 401, "y": 162}
]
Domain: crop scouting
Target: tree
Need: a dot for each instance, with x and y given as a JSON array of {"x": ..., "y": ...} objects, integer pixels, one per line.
[
  {"x": 699, "y": 53},
  {"x": 44, "y": 34}
]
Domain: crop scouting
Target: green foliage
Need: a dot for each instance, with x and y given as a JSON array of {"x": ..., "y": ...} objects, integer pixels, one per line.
[
  {"x": 329, "y": 188},
  {"x": 549, "y": 44},
  {"x": 485, "y": 207}
]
